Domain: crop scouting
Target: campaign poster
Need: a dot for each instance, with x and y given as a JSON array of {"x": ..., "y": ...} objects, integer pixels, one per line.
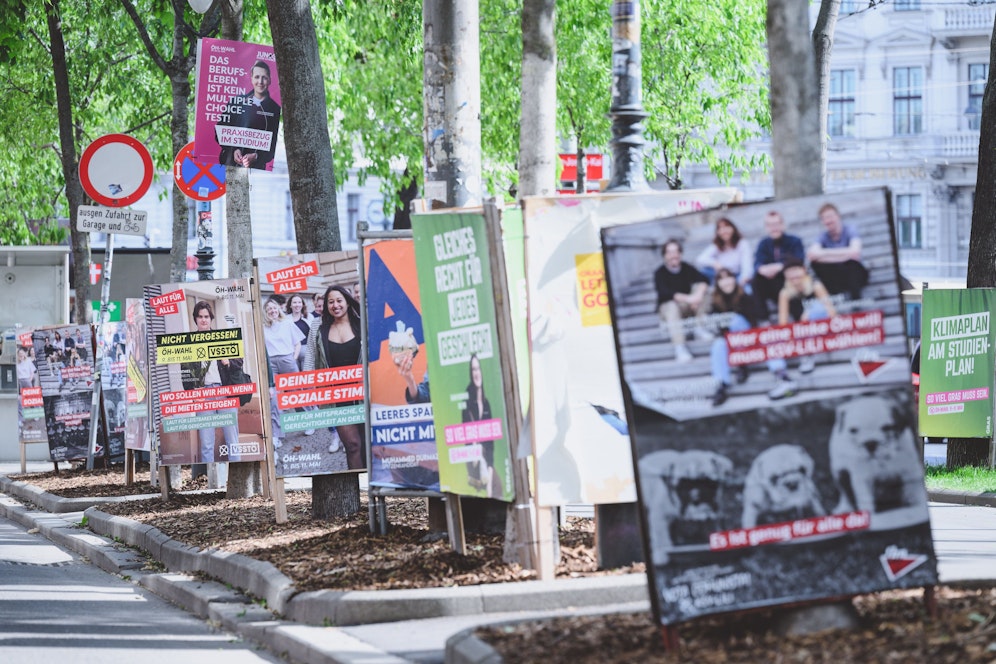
[
  {"x": 237, "y": 112},
  {"x": 775, "y": 457},
  {"x": 30, "y": 406},
  {"x": 459, "y": 322},
  {"x": 403, "y": 440},
  {"x": 957, "y": 363},
  {"x": 64, "y": 370},
  {"x": 310, "y": 312},
  {"x": 112, "y": 349},
  {"x": 582, "y": 450},
  {"x": 204, "y": 372},
  {"x": 136, "y": 377}
]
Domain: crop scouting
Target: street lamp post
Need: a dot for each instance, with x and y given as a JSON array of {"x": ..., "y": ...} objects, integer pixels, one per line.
[{"x": 627, "y": 98}]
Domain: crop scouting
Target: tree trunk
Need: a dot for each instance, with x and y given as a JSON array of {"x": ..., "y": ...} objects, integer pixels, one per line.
[
  {"x": 306, "y": 125},
  {"x": 795, "y": 121},
  {"x": 823, "y": 31},
  {"x": 451, "y": 96},
  {"x": 982, "y": 243},
  {"x": 70, "y": 165},
  {"x": 180, "y": 87},
  {"x": 335, "y": 496},
  {"x": 244, "y": 480},
  {"x": 312, "y": 181},
  {"x": 537, "y": 128},
  {"x": 403, "y": 213},
  {"x": 968, "y": 452}
]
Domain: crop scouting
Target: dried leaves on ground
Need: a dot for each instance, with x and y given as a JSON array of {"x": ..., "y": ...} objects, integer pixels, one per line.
[
  {"x": 342, "y": 554},
  {"x": 894, "y": 628}
]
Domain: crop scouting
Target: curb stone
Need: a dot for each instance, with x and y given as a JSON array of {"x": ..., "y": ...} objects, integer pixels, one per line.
[
  {"x": 206, "y": 599},
  {"x": 963, "y": 498},
  {"x": 465, "y": 648}
]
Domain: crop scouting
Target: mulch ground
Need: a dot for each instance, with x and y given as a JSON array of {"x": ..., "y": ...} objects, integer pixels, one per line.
[{"x": 343, "y": 554}]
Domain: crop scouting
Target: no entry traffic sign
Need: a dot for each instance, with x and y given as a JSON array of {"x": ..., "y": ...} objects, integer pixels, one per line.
[
  {"x": 202, "y": 182},
  {"x": 116, "y": 170}
]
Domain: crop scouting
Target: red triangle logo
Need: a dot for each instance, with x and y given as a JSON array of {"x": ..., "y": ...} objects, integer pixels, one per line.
[
  {"x": 899, "y": 566},
  {"x": 868, "y": 367}
]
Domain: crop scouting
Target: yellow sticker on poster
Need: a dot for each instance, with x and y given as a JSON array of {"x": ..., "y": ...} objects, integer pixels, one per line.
[
  {"x": 199, "y": 346},
  {"x": 593, "y": 296}
]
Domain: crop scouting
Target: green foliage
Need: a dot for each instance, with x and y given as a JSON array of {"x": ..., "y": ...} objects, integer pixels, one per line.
[
  {"x": 965, "y": 478},
  {"x": 52, "y": 233}
]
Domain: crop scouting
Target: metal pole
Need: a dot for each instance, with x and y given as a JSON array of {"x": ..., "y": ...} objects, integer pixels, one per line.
[
  {"x": 205, "y": 242},
  {"x": 205, "y": 271},
  {"x": 627, "y": 99},
  {"x": 98, "y": 360}
]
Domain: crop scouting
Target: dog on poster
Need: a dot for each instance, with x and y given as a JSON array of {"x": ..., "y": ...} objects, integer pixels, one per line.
[
  {"x": 680, "y": 486},
  {"x": 874, "y": 458},
  {"x": 779, "y": 487}
]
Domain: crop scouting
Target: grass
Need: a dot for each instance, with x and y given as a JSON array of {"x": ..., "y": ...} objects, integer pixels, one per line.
[{"x": 976, "y": 480}]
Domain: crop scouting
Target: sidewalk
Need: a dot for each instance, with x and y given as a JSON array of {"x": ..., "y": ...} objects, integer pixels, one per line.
[{"x": 392, "y": 625}]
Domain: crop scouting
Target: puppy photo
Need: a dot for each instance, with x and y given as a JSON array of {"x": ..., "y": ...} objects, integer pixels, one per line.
[
  {"x": 874, "y": 458},
  {"x": 779, "y": 487},
  {"x": 681, "y": 488}
]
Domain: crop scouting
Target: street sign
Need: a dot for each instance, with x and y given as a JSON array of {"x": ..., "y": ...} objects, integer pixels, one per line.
[
  {"x": 116, "y": 170},
  {"x": 96, "y": 219},
  {"x": 202, "y": 182}
]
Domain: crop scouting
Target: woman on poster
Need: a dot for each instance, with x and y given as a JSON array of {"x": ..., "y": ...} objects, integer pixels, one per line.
[
  {"x": 480, "y": 474},
  {"x": 283, "y": 347},
  {"x": 335, "y": 342},
  {"x": 213, "y": 373},
  {"x": 729, "y": 250}
]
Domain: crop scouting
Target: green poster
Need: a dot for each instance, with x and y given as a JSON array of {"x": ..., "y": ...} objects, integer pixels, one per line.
[
  {"x": 458, "y": 318},
  {"x": 956, "y": 363}
]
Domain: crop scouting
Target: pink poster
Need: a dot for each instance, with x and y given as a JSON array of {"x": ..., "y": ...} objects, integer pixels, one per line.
[{"x": 238, "y": 104}]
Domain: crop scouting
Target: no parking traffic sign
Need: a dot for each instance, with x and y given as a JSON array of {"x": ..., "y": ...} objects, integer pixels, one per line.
[
  {"x": 202, "y": 182},
  {"x": 116, "y": 170}
]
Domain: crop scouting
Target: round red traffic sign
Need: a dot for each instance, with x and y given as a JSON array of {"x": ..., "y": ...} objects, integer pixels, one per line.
[
  {"x": 116, "y": 170},
  {"x": 202, "y": 182}
]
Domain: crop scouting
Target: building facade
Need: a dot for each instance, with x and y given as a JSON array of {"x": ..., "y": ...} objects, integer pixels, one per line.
[{"x": 906, "y": 85}]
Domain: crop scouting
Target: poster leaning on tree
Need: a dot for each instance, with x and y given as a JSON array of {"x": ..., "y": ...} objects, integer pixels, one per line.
[
  {"x": 311, "y": 330},
  {"x": 771, "y": 413}
]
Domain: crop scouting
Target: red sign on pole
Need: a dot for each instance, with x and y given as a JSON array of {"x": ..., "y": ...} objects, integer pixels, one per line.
[
  {"x": 202, "y": 182},
  {"x": 592, "y": 165},
  {"x": 116, "y": 170}
]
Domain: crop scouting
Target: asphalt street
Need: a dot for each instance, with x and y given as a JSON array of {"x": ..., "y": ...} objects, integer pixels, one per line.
[{"x": 56, "y": 607}]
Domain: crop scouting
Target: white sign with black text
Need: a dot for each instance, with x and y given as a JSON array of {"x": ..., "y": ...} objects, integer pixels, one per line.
[{"x": 98, "y": 219}]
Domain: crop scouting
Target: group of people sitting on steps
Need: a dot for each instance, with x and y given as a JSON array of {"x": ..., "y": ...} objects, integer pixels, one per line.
[{"x": 744, "y": 289}]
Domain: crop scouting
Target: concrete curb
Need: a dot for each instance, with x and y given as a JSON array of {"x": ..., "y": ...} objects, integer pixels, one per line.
[
  {"x": 363, "y": 607},
  {"x": 963, "y": 498},
  {"x": 211, "y": 600}
]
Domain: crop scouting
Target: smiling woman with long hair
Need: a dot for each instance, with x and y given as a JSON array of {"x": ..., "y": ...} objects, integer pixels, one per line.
[{"x": 335, "y": 342}]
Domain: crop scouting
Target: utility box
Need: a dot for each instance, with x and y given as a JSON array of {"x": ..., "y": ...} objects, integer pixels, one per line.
[{"x": 34, "y": 291}]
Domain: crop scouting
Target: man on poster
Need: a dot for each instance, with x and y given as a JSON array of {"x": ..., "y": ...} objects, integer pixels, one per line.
[{"x": 257, "y": 111}]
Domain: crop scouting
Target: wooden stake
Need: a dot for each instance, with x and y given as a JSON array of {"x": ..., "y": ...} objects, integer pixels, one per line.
[{"x": 454, "y": 524}]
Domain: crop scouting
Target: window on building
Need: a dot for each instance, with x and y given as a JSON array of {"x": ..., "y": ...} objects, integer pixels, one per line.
[
  {"x": 907, "y": 100},
  {"x": 977, "y": 75},
  {"x": 848, "y": 6},
  {"x": 840, "y": 115},
  {"x": 352, "y": 215},
  {"x": 909, "y": 221},
  {"x": 906, "y": 5}
]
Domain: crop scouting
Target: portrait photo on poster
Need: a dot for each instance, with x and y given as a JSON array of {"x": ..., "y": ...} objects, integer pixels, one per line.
[
  {"x": 238, "y": 104},
  {"x": 203, "y": 365},
  {"x": 311, "y": 333}
]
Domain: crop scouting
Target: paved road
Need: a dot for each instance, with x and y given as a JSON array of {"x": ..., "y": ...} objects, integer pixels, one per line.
[{"x": 56, "y": 608}]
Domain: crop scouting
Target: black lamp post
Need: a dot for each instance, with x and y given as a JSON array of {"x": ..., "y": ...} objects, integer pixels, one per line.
[{"x": 627, "y": 98}]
